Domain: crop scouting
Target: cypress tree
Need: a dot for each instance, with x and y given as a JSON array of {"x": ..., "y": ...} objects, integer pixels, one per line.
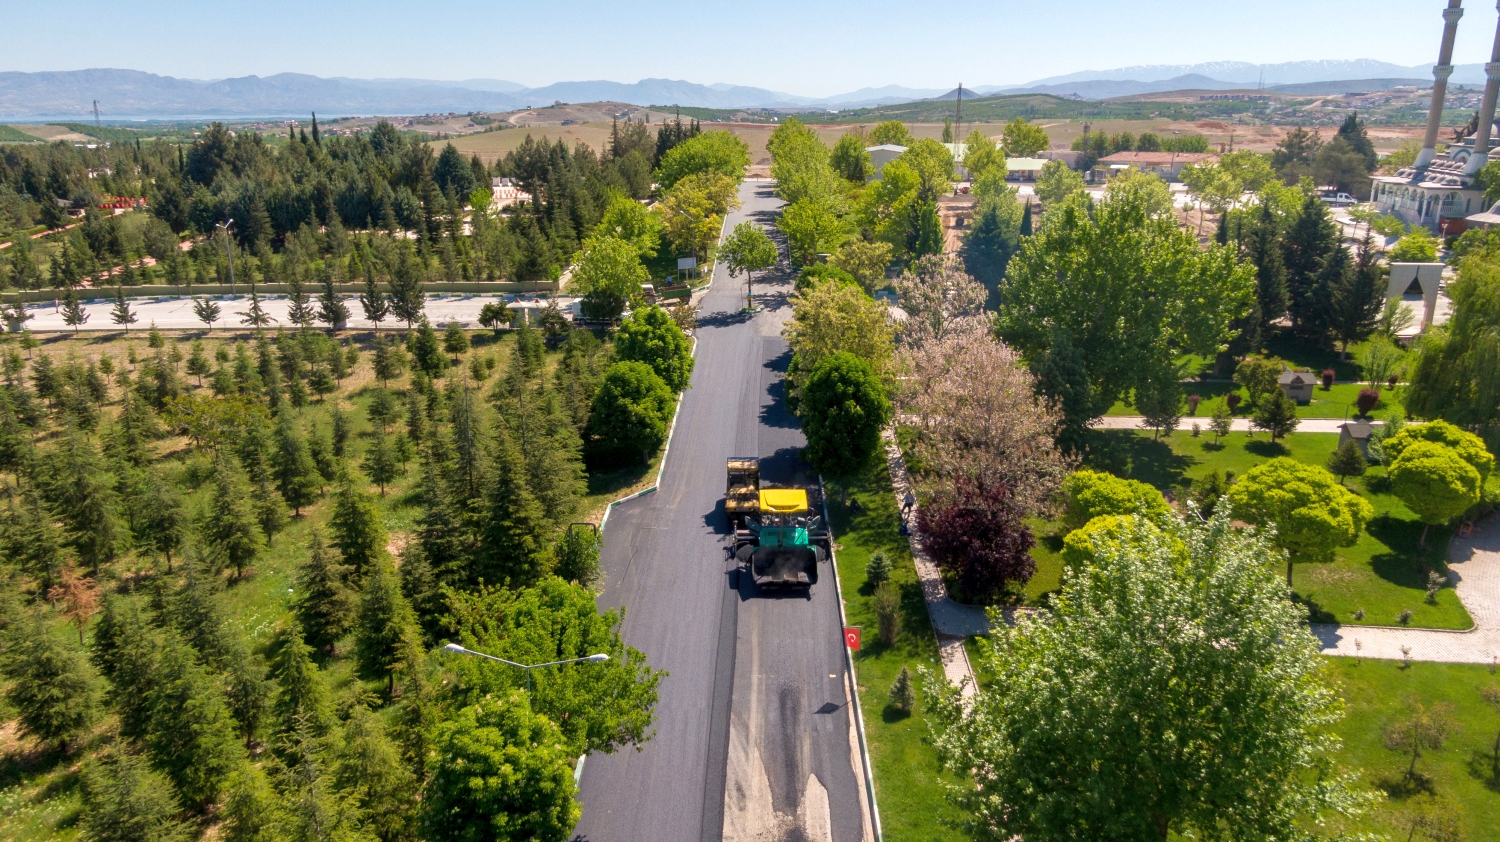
[
  {"x": 192, "y": 737},
  {"x": 384, "y": 623},
  {"x": 125, "y": 800},
  {"x": 324, "y": 605},
  {"x": 193, "y": 610},
  {"x": 231, "y": 528},
  {"x": 343, "y": 430},
  {"x": 1026, "y": 221},
  {"x": 161, "y": 522},
  {"x": 374, "y": 303},
  {"x": 1356, "y": 299},
  {"x": 51, "y": 684},
  {"x": 382, "y": 463},
  {"x": 357, "y": 530},
  {"x": 246, "y": 690},
  {"x": 31, "y": 539},
  {"x": 513, "y": 549},
  {"x": 270, "y": 509},
  {"x": 1264, "y": 251},
  {"x": 86, "y": 499},
  {"x": 296, "y": 474},
  {"x": 125, "y": 650}
]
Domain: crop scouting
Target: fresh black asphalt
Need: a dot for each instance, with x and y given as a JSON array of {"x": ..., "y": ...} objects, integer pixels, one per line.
[{"x": 764, "y": 672}]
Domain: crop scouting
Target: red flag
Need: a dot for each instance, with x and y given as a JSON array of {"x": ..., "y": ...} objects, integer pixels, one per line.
[{"x": 851, "y": 637}]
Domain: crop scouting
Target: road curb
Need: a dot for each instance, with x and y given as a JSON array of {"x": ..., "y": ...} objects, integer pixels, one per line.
[{"x": 859, "y": 716}]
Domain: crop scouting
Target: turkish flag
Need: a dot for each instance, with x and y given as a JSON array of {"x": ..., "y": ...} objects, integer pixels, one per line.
[{"x": 851, "y": 637}]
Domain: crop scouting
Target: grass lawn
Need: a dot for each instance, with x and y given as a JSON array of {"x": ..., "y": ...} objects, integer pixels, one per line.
[
  {"x": 908, "y": 784},
  {"x": 1462, "y": 772},
  {"x": 1382, "y": 574},
  {"x": 1337, "y": 402}
]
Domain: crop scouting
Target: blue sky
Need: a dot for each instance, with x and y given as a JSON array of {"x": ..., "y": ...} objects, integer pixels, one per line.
[{"x": 800, "y": 46}]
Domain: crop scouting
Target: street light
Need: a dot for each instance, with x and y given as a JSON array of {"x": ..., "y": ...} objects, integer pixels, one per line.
[
  {"x": 591, "y": 659},
  {"x": 229, "y": 253}
]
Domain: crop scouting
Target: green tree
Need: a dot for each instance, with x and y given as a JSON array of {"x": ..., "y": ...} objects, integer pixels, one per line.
[
  {"x": 407, "y": 295},
  {"x": 1469, "y": 447},
  {"x": 384, "y": 622},
  {"x": 1435, "y": 482},
  {"x": 651, "y": 337},
  {"x": 51, "y": 686},
  {"x": 865, "y": 261},
  {"x": 1057, "y": 182},
  {"x": 829, "y": 318},
  {"x": 1231, "y": 727},
  {"x": 1347, "y": 461},
  {"x": 124, "y": 800},
  {"x": 426, "y": 353},
  {"x": 630, "y": 412},
  {"x": 628, "y": 220},
  {"x": 1133, "y": 291},
  {"x": 192, "y": 738},
  {"x": 122, "y": 314},
  {"x": 719, "y": 152},
  {"x": 1276, "y": 414},
  {"x": 843, "y": 408},
  {"x": 382, "y": 463},
  {"x": 891, "y": 132},
  {"x": 692, "y": 212},
  {"x": 372, "y": 301},
  {"x": 608, "y": 274},
  {"x": 455, "y": 340},
  {"x": 85, "y": 497},
  {"x": 296, "y": 474},
  {"x": 748, "y": 250},
  {"x": 1259, "y": 376},
  {"x": 577, "y": 555},
  {"x": 499, "y": 772},
  {"x": 812, "y": 227},
  {"x": 324, "y": 603},
  {"x": 1305, "y": 248},
  {"x": 1454, "y": 377},
  {"x": 849, "y": 158},
  {"x": 1062, "y": 378},
  {"x": 300, "y": 706},
  {"x": 982, "y": 156},
  {"x": 251, "y": 806},
  {"x": 72, "y": 310},
  {"x": 1090, "y": 494},
  {"x": 230, "y": 526},
  {"x": 512, "y": 547},
  {"x": 332, "y": 310},
  {"x": 1022, "y": 139},
  {"x": 369, "y": 766},
  {"x": 358, "y": 533},
  {"x": 1310, "y": 510}
]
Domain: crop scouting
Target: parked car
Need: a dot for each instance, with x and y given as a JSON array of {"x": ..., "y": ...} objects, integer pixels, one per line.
[{"x": 1340, "y": 200}]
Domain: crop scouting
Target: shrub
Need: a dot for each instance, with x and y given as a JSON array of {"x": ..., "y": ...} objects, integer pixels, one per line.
[
  {"x": 1328, "y": 376},
  {"x": 1367, "y": 400},
  {"x": 1233, "y": 400},
  {"x": 819, "y": 273},
  {"x": 903, "y": 694},
  {"x": 878, "y": 570},
  {"x": 1192, "y": 401}
]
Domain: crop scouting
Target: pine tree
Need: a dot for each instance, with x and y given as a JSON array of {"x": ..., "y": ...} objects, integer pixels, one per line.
[
  {"x": 407, "y": 298},
  {"x": 125, "y": 800},
  {"x": 332, "y": 310},
  {"x": 1347, "y": 461},
  {"x": 125, "y": 649},
  {"x": 86, "y": 499},
  {"x": 903, "y": 695},
  {"x": 385, "y": 621},
  {"x": 1356, "y": 299},
  {"x": 343, "y": 430},
  {"x": 1264, "y": 251},
  {"x": 324, "y": 604},
  {"x": 299, "y": 311},
  {"x": 270, "y": 509},
  {"x": 299, "y": 705},
  {"x": 30, "y": 537},
  {"x": 1305, "y": 247},
  {"x": 382, "y": 464},
  {"x": 193, "y": 610},
  {"x": 390, "y": 359},
  {"x": 1277, "y": 414},
  {"x": 246, "y": 690},
  {"x": 251, "y": 808},
  {"x": 51, "y": 685},
  {"x": 455, "y": 340},
  {"x": 122, "y": 314},
  {"x": 255, "y": 315},
  {"x": 374, "y": 303},
  {"x": 369, "y": 766},
  {"x": 231, "y": 528},
  {"x": 358, "y": 533},
  {"x": 296, "y": 473},
  {"x": 192, "y": 738},
  {"x": 426, "y": 352},
  {"x": 72, "y": 311},
  {"x": 512, "y": 539},
  {"x": 206, "y": 311}
]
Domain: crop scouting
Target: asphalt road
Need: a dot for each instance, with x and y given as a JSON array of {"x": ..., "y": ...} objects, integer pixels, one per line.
[{"x": 753, "y": 732}]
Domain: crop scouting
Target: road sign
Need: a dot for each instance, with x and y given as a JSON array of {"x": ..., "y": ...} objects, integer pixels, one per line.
[
  {"x": 851, "y": 637},
  {"x": 687, "y": 263}
]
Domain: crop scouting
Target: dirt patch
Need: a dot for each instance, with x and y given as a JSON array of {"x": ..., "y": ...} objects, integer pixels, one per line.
[{"x": 396, "y": 545}]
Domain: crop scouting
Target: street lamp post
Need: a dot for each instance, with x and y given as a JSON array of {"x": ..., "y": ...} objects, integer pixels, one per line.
[
  {"x": 591, "y": 659},
  {"x": 228, "y": 252}
]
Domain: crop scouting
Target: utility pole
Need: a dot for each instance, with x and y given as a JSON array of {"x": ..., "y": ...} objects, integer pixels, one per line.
[{"x": 958, "y": 121}]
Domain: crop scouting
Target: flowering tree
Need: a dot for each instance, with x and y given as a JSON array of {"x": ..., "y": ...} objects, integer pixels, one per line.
[
  {"x": 939, "y": 299},
  {"x": 977, "y": 415}
]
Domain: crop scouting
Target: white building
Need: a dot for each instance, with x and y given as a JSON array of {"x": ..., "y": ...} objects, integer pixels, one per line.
[{"x": 506, "y": 192}]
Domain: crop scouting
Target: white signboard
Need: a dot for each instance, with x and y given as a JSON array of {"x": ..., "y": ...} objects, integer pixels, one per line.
[{"x": 687, "y": 263}]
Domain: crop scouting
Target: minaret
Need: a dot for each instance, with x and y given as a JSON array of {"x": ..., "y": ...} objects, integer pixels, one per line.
[
  {"x": 1440, "y": 75},
  {"x": 1480, "y": 156}
]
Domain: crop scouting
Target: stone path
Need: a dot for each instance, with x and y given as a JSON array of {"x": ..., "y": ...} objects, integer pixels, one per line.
[{"x": 1474, "y": 563}]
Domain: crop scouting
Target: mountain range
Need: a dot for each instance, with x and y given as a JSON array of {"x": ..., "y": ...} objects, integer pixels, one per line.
[{"x": 133, "y": 94}]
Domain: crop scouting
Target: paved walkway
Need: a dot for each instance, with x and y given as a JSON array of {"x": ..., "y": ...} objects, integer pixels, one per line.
[
  {"x": 1242, "y": 425},
  {"x": 1474, "y": 564},
  {"x": 951, "y": 621}
]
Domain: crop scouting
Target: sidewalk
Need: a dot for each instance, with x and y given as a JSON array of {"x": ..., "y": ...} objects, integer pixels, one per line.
[{"x": 1241, "y": 425}]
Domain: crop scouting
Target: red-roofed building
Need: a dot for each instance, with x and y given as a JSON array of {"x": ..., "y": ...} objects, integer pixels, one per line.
[{"x": 1166, "y": 165}]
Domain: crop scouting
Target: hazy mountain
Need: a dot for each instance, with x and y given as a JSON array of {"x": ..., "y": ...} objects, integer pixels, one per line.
[
  {"x": 1106, "y": 88},
  {"x": 1243, "y": 73},
  {"x": 497, "y": 85}
]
